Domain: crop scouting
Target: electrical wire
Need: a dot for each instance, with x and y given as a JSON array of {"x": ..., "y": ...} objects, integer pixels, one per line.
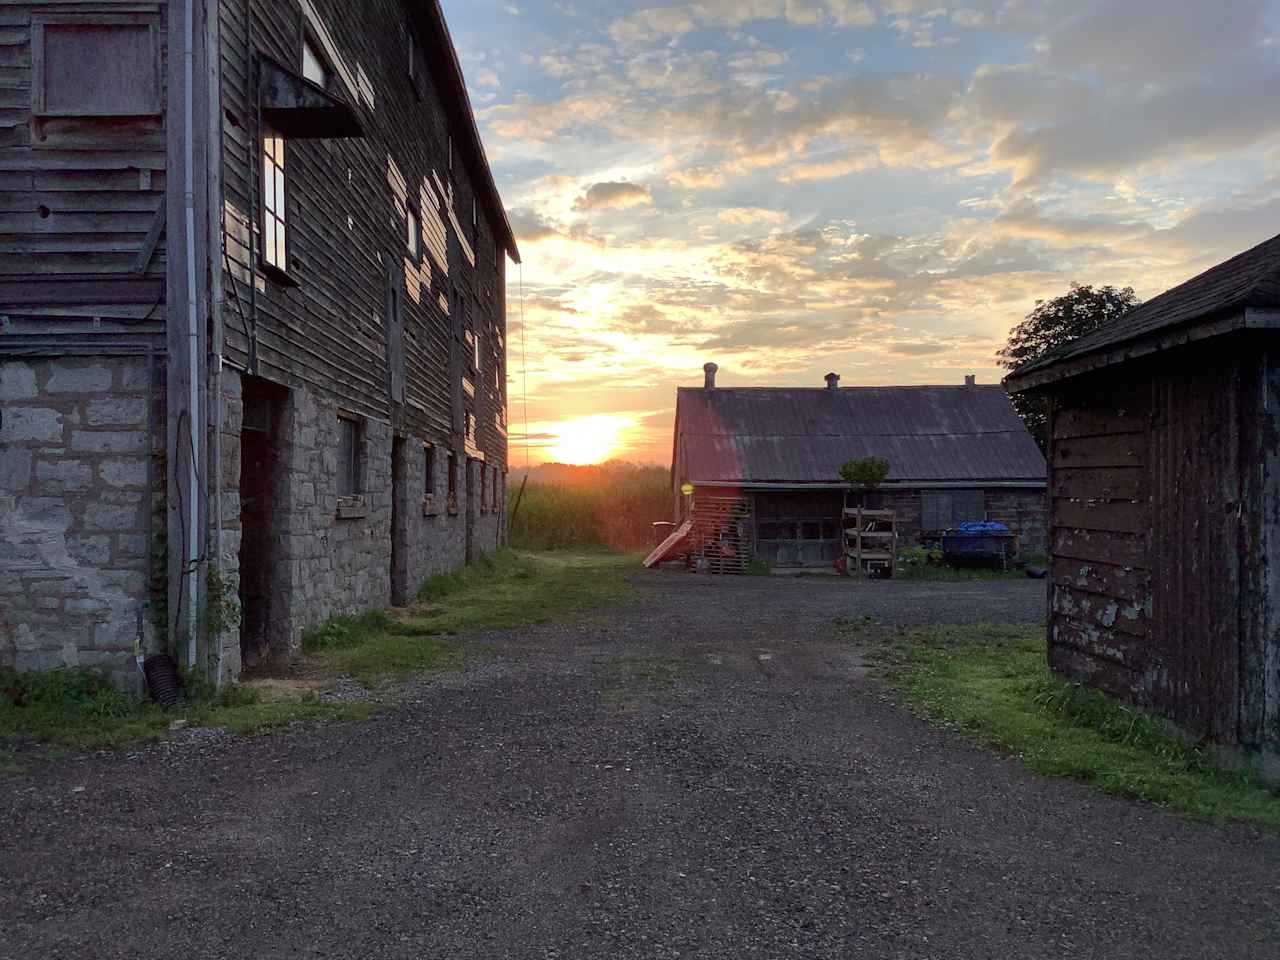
[{"x": 524, "y": 374}]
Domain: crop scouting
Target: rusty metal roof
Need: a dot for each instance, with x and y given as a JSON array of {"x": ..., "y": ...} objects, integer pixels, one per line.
[
  {"x": 1249, "y": 279},
  {"x": 785, "y": 435}
]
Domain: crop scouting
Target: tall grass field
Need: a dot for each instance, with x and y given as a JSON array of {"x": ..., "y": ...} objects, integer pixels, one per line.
[{"x": 610, "y": 506}]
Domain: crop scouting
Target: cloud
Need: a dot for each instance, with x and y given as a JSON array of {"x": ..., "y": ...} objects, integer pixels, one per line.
[
  {"x": 487, "y": 78},
  {"x": 695, "y": 178},
  {"x": 828, "y": 169},
  {"x": 652, "y": 23},
  {"x": 529, "y": 227},
  {"x": 749, "y": 215},
  {"x": 615, "y": 195}
]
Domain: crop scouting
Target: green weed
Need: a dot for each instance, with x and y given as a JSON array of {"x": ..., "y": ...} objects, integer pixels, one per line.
[{"x": 992, "y": 683}]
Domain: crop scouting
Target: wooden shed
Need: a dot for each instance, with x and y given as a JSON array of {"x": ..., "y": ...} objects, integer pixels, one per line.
[
  {"x": 956, "y": 452},
  {"x": 1164, "y": 478}
]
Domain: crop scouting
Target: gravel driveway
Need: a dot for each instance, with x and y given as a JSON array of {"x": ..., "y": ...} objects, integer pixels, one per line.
[{"x": 703, "y": 773}]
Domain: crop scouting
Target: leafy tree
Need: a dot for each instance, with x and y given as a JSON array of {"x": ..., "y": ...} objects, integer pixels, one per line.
[
  {"x": 866, "y": 474},
  {"x": 1050, "y": 325}
]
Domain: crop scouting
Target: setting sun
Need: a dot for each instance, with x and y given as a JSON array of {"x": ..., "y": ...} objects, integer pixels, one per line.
[{"x": 587, "y": 440}]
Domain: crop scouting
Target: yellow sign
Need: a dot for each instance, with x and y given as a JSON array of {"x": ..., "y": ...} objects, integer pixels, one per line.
[{"x": 686, "y": 489}]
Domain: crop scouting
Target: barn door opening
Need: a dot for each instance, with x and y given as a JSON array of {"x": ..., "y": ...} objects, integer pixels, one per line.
[{"x": 260, "y": 490}]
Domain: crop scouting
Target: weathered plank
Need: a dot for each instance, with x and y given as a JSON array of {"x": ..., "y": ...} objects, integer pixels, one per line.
[
  {"x": 1108, "y": 676},
  {"x": 1123, "y": 550},
  {"x": 1116, "y": 516},
  {"x": 1123, "y": 583},
  {"x": 1118, "y": 450},
  {"x": 1099, "y": 483},
  {"x": 1110, "y": 613},
  {"x": 1099, "y": 642},
  {"x": 1098, "y": 421}
]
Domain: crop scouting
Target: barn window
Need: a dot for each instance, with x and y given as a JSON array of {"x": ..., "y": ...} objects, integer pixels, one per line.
[
  {"x": 475, "y": 352},
  {"x": 484, "y": 486},
  {"x": 428, "y": 473},
  {"x": 947, "y": 509},
  {"x": 453, "y": 483},
  {"x": 349, "y": 442},
  {"x": 313, "y": 65},
  {"x": 413, "y": 234},
  {"x": 471, "y": 427},
  {"x": 274, "y": 249},
  {"x": 95, "y": 66}
]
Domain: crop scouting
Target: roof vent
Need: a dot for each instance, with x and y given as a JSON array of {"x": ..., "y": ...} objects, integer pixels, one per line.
[
  {"x": 833, "y": 381},
  {"x": 710, "y": 370},
  {"x": 971, "y": 380}
]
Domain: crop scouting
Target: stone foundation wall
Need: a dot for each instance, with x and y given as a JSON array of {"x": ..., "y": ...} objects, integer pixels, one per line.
[
  {"x": 433, "y": 539},
  {"x": 331, "y": 565},
  {"x": 75, "y": 588}
]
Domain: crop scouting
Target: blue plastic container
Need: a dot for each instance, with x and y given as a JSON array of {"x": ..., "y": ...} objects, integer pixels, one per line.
[{"x": 976, "y": 541}]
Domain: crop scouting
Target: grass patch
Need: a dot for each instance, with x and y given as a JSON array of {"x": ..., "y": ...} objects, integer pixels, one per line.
[
  {"x": 992, "y": 683},
  {"x": 912, "y": 571},
  {"x": 77, "y": 708}
]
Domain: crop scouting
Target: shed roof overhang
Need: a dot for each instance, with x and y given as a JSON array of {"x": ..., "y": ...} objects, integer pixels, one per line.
[
  {"x": 1248, "y": 318},
  {"x": 300, "y": 109}
]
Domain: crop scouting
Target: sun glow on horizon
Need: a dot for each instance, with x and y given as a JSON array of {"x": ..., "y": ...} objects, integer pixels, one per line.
[{"x": 587, "y": 440}]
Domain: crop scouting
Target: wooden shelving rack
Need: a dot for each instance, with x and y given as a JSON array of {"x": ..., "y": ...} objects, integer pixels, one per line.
[{"x": 870, "y": 542}]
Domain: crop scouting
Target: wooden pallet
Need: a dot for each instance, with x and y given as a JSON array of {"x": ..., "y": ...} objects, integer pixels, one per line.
[{"x": 720, "y": 537}]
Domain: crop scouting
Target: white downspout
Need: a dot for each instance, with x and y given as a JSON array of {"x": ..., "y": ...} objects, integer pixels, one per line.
[{"x": 194, "y": 421}]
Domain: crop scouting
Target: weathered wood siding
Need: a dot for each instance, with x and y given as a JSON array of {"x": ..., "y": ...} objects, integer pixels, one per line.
[
  {"x": 1159, "y": 590},
  {"x": 347, "y": 204},
  {"x": 82, "y": 191}
]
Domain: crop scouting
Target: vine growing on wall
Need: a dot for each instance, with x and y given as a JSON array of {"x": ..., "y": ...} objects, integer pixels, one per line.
[{"x": 222, "y": 612}]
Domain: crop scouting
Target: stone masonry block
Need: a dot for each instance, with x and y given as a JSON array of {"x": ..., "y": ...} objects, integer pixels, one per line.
[
  {"x": 15, "y": 469},
  {"x": 48, "y": 514},
  {"x": 116, "y": 411},
  {"x": 137, "y": 376},
  {"x": 131, "y": 546},
  {"x": 17, "y": 381},
  {"x": 26, "y": 424},
  {"x": 63, "y": 476},
  {"x": 124, "y": 473},
  {"x": 93, "y": 551},
  {"x": 78, "y": 379},
  {"x": 103, "y": 516},
  {"x": 85, "y": 441}
]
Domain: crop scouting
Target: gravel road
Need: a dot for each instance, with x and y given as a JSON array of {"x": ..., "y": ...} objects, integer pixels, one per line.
[{"x": 704, "y": 772}]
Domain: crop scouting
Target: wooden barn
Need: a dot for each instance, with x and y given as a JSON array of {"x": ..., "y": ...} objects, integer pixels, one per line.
[
  {"x": 252, "y": 324},
  {"x": 1165, "y": 490},
  {"x": 956, "y": 453}
]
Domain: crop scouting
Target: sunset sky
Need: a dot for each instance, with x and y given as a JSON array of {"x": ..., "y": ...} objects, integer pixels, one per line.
[{"x": 878, "y": 188}]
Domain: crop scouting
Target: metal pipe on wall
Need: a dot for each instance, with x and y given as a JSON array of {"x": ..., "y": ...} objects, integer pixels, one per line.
[{"x": 191, "y": 561}]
